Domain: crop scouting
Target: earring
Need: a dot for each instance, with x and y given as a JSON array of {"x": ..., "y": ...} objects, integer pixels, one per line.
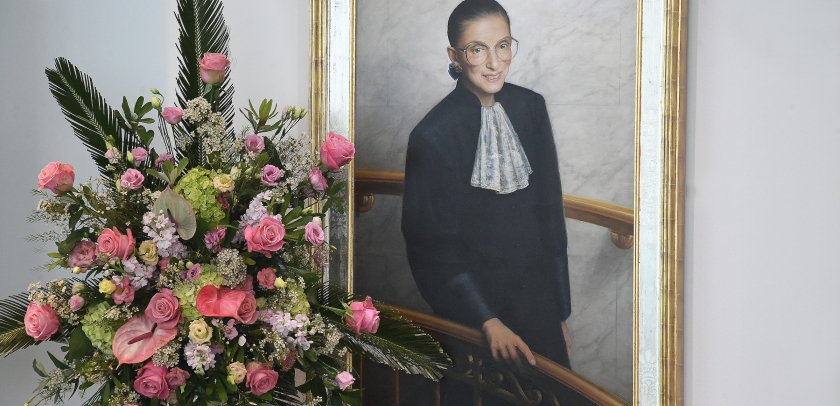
[{"x": 458, "y": 68}]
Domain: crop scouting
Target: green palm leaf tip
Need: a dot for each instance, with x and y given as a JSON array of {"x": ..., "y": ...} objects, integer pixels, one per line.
[
  {"x": 92, "y": 119},
  {"x": 397, "y": 343},
  {"x": 202, "y": 29}
]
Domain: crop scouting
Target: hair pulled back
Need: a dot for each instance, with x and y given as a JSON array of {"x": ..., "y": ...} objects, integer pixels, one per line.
[{"x": 469, "y": 11}]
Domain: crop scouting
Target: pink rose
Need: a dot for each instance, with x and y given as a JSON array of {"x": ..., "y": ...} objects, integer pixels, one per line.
[
  {"x": 56, "y": 177},
  {"x": 254, "y": 143},
  {"x": 344, "y": 380},
  {"x": 172, "y": 115},
  {"x": 151, "y": 381},
  {"x": 212, "y": 239},
  {"x": 270, "y": 174},
  {"x": 365, "y": 317},
  {"x": 139, "y": 154},
  {"x": 40, "y": 321},
  {"x": 124, "y": 293},
  {"x": 314, "y": 233},
  {"x": 76, "y": 302},
  {"x": 113, "y": 244},
  {"x": 317, "y": 179},
  {"x": 132, "y": 179},
  {"x": 83, "y": 255},
  {"x": 266, "y": 237},
  {"x": 266, "y": 278},
  {"x": 164, "y": 309},
  {"x": 176, "y": 377},
  {"x": 212, "y": 68},
  {"x": 163, "y": 158},
  {"x": 336, "y": 151},
  {"x": 259, "y": 378},
  {"x": 247, "y": 312}
]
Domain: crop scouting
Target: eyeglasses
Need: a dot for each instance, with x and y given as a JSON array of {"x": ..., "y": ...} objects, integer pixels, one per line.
[{"x": 478, "y": 52}]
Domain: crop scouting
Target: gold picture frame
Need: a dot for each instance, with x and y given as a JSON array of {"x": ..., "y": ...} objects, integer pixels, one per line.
[{"x": 659, "y": 166}]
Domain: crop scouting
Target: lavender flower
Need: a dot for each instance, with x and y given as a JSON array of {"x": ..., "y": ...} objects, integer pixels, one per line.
[
  {"x": 161, "y": 230},
  {"x": 199, "y": 356},
  {"x": 139, "y": 273},
  {"x": 253, "y": 215}
]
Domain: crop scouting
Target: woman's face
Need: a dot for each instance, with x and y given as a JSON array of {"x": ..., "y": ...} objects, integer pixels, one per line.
[{"x": 486, "y": 79}]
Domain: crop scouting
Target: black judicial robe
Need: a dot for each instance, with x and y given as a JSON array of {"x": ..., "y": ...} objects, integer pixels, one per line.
[{"x": 476, "y": 254}]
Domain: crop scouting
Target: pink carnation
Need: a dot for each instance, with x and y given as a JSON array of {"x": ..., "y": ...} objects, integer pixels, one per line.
[
  {"x": 270, "y": 174},
  {"x": 124, "y": 293},
  {"x": 266, "y": 278},
  {"x": 132, "y": 179},
  {"x": 139, "y": 154},
  {"x": 254, "y": 143},
  {"x": 176, "y": 377},
  {"x": 213, "y": 239},
  {"x": 82, "y": 255}
]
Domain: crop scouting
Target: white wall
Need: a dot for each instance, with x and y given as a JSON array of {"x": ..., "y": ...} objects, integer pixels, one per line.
[
  {"x": 762, "y": 274},
  {"x": 126, "y": 47}
]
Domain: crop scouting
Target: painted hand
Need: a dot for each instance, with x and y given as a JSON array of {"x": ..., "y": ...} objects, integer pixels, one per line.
[{"x": 504, "y": 343}]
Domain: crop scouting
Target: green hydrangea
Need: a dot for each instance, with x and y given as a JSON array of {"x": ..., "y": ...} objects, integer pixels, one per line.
[
  {"x": 297, "y": 300},
  {"x": 99, "y": 330},
  {"x": 197, "y": 187},
  {"x": 187, "y": 291}
]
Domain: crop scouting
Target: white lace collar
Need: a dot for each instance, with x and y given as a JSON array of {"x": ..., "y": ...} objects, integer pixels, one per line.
[{"x": 500, "y": 162}]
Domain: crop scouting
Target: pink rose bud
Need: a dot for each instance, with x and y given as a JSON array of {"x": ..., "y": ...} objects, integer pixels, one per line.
[
  {"x": 164, "y": 309},
  {"x": 260, "y": 379},
  {"x": 140, "y": 155},
  {"x": 132, "y": 179},
  {"x": 336, "y": 151},
  {"x": 365, "y": 317},
  {"x": 114, "y": 244},
  {"x": 83, "y": 255},
  {"x": 270, "y": 174},
  {"x": 266, "y": 278},
  {"x": 151, "y": 381},
  {"x": 247, "y": 313},
  {"x": 254, "y": 143},
  {"x": 172, "y": 115},
  {"x": 56, "y": 177},
  {"x": 40, "y": 321},
  {"x": 266, "y": 237},
  {"x": 319, "y": 182},
  {"x": 163, "y": 158},
  {"x": 124, "y": 293},
  {"x": 176, "y": 377},
  {"x": 344, "y": 380},
  {"x": 76, "y": 302},
  {"x": 314, "y": 233},
  {"x": 212, "y": 68}
]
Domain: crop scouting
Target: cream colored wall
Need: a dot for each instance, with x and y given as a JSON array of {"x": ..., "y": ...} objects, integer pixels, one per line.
[
  {"x": 126, "y": 47},
  {"x": 580, "y": 56}
]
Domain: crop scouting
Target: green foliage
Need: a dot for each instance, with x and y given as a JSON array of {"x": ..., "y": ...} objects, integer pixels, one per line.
[
  {"x": 202, "y": 29},
  {"x": 397, "y": 343},
  {"x": 92, "y": 119}
]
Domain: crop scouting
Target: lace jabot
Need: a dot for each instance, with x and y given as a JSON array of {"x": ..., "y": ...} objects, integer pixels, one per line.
[{"x": 500, "y": 162}]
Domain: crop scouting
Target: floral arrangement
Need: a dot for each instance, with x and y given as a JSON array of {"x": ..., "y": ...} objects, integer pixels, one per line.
[{"x": 198, "y": 267}]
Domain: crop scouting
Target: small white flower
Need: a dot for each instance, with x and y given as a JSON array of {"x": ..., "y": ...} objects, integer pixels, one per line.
[{"x": 242, "y": 341}]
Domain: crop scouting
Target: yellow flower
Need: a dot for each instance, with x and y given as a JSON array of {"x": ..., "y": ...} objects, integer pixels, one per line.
[
  {"x": 200, "y": 332},
  {"x": 224, "y": 183},
  {"x": 279, "y": 283},
  {"x": 107, "y": 287},
  {"x": 237, "y": 372},
  {"x": 148, "y": 252}
]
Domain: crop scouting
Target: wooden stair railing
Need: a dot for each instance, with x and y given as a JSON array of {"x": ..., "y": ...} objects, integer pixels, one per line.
[
  {"x": 617, "y": 219},
  {"x": 546, "y": 384}
]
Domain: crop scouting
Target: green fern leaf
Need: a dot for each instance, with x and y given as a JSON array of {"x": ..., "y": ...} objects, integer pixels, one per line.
[
  {"x": 92, "y": 119},
  {"x": 202, "y": 29}
]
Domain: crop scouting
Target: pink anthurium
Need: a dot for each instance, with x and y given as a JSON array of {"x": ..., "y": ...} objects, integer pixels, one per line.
[
  {"x": 215, "y": 302},
  {"x": 139, "y": 338}
]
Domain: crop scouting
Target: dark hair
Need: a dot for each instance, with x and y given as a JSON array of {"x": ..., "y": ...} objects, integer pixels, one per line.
[{"x": 469, "y": 11}]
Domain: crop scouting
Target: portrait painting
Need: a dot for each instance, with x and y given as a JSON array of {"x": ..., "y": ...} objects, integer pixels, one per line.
[{"x": 581, "y": 58}]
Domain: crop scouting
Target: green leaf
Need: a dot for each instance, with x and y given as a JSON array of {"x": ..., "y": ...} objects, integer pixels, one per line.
[
  {"x": 74, "y": 218},
  {"x": 80, "y": 345},
  {"x": 106, "y": 393},
  {"x": 92, "y": 119},
  {"x": 64, "y": 247},
  {"x": 144, "y": 110},
  {"x": 58, "y": 364},
  {"x": 39, "y": 368},
  {"x": 179, "y": 211},
  {"x": 352, "y": 398},
  {"x": 220, "y": 388},
  {"x": 158, "y": 175},
  {"x": 138, "y": 105}
]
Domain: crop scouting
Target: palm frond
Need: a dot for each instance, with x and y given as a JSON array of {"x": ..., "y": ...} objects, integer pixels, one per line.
[
  {"x": 12, "y": 330},
  {"x": 397, "y": 343},
  {"x": 92, "y": 119},
  {"x": 202, "y": 29}
]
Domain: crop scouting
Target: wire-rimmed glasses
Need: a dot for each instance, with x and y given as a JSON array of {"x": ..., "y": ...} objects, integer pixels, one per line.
[{"x": 478, "y": 52}]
